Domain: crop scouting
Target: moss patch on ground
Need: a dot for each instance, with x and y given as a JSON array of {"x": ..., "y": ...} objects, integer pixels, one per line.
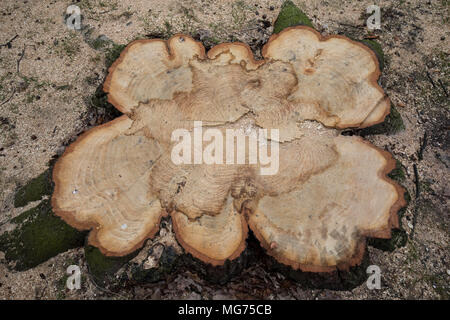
[
  {"x": 34, "y": 190},
  {"x": 113, "y": 53},
  {"x": 376, "y": 47},
  {"x": 399, "y": 237},
  {"x": 335, "y": 280},
  {"x": 103, "y": 267},
  {"x": 392, "y": 124},
  {"x": 99, "y": 43},
  {"x": 290, "y": 15},
  {"x": 99, "y": 101},
  {"x": 38, "y": 236},
  {"x": 398, "y": 174}
]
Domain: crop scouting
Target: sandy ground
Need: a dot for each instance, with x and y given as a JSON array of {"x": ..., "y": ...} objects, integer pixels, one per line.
[{"x": 48, "y": 74}]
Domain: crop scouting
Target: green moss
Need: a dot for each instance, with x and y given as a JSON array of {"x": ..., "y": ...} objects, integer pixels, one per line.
[
  {"x": 356, "y": 275},
  {"x": 168, "y": 27},
  {"x": 220, "y": 274},
  {"x": 425, "y": 186},
  {"x": 290, "y": 15},
  {"x": 412, "y": 254},
  {"x": 99, "y": 43},
  {"x": 113, "y": 53},
  {"x": 38, "y": 236},
  {"x": 103, "y": 267},
  {"x": 376, "y": 47},
  {"x": 34, "y": 190},
  {"x": 335, "y": 280},
  {"x": 61, "y": 286},
  {"x": 392, "y": 124},
  {"x": 398, "y": 174},
  {"x": 60, "y": 295},
  {"x": 399, "y": 237},
  {"x": 99, "y": 100}
]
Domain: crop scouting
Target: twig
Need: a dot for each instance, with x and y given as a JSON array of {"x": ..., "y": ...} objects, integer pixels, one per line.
[
  {"x": 443, "y": 87},
  {"x": 431, "y": 80},
  {"x": 103, "y": 12},
  {"x": 8, "y": 44},
  {"x": 371, "y": 36},
  {"x": 438, "y": 156},
  {"x": 423, "y": 144},
  {"x": 349, "y": 25},
  {"x": 416, "y": 181},
  {"x": 7, "y": 100},
  {"x": 416, "y": 211},
  {"x": 20, "y": 59}
]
